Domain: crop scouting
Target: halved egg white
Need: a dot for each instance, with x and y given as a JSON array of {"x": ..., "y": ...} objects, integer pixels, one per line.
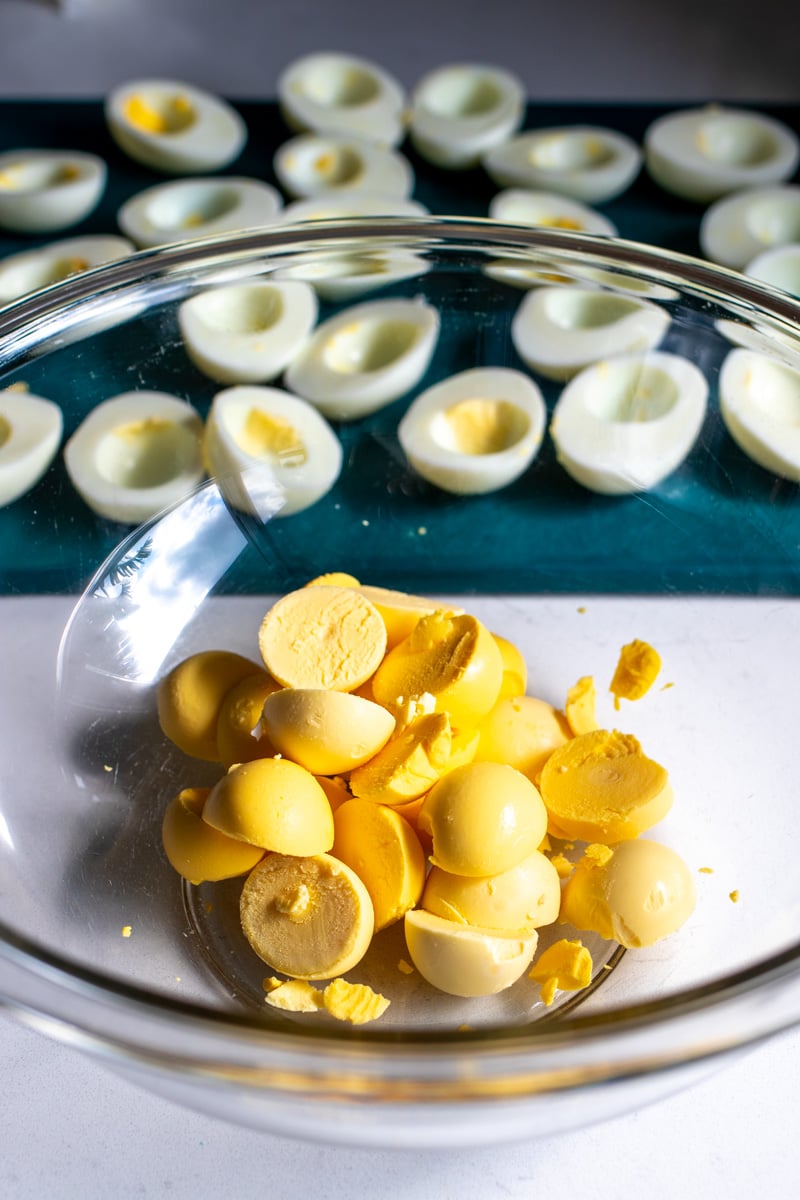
[
  {"x": 736, "y": 228},
  {"x": 174, "y": 127},
  {"x": 271, "y": 452},
  {"x": 33, "y": 269},
  {"x": 759, "y": 399},
  {"x": 30, "y": 433},
  {"x": 344, "y": 276},
  {"x": 763, "y": 338},
  {"x": 624, "y": 424},
  {"x": 476, "y": 431},
  {"x": 462, "y": 110},
  {"x": 558, "y": 331},
  {"x": 190, "y": 208},
  {"x": 135, "y": 454},
  {"x": 704, "y": 153},
  {"x": 779, "y": 267},
  {"x": 314, "y": 163},
  {"x": 42, "y": 191},
  {"x": 330, "y": 92},
  {"x": 522, "y": 206},
  {"x": 247, "y": 332},
  {"x": 365, "y": 357},
  {"x": 588, "y": 162}
]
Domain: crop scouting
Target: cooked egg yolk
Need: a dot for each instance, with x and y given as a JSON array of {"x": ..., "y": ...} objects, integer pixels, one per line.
[
  {"x": 463, "y": 960},
  {"x": 325, "y": 731},
  {"x": 408, "y": 765},
  {"x": 483, "y": 818},
  {"x": 522, "y": 731},
  {"x": 173, "y": 116},
  {"x": 273, "y": 803},
  {"x": 565, "y": 966},
  {"x": 310, "y": 917},
  {"x": 634, "y": 893},
  {"x": 479, "y": 426},
  {"x": 196, "y": 850},
  {"x": 353, "y": 1002},
  {"x": 317, "y": 637},
  {"x": 580, "y": 706},
  {"x": 265, "y": 436},
  {"x": 636, "y": 671},
  {"x": 386, "y": 854},
  {"x": 526, "y": 896},
  {"x": 515, "y": 669},
  {"x": 601, "y": 787},
  {"x": 190, "y": 697},
  {"x": 453, "y": 658},
  {"x": 240, "y": 736},
  {"x": 399, "y": 610}
]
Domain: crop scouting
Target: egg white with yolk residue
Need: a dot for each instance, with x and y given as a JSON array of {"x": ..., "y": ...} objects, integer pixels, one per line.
[
  {"x": 312, "y": 164},
  {"x": 476, "y": 431},
  {"x": 461, "y": 110},
  {"x": 42, "y": 191},
  {"x": 704, "y": 153},
  {"x": 588, "y": 162},
  {"x": 30, "y": 433},
  {"x": 271, "y": 452},
  {"x": 329, "y": 92},
  {"x": 365, "y": 357},
  {"x": 183, "y": 209},
  {"x": 135, "y": 454},
  {"x": 174, "y": 127},
  {"x": 33, "y": 269},
  {"x": 736, "y": 228},
  {"x": 523, "y": 206},
  {"x": 247, "y": 332},
  {"x": 559, "y": 330},
  {"x": 759, "y": 399},
  {"x": 626, "y": 423}
]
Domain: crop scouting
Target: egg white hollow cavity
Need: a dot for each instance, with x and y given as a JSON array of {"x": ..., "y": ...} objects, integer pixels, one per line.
[
  {"x": 624, "y": 424},
  {"x": 190, "y": 208},
  {"x": 247, "y": 332},
  {"x": 558, "y": 331},
  {"x": 330, "y": 92},
  {"x": 736, "y": 228},
  {"x": 365, "y": 357},
  {"x": 135, "y": 454},
  {"x": 30, "y": 270},
  {"x": 271, "y": 452},
  {"x": 704, "y": 153},
  {"x": 312, "y": 164},
  {"x": 461, "y": 110},
  {"x": 43, "y": 191},
  {"x": 759, "y": 399},
  {"x": 522, "y": 206},
  {"x": 174, "y": 127},
  {"x": 779, "y": 267},
  {"x": 588, "y": 162},
  {"x": 30, "y": 434},
  {"x": 476, "y": 431}
]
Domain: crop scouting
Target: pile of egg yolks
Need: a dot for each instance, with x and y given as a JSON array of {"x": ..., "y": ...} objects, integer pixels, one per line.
[{"x": 394, "y": 770}]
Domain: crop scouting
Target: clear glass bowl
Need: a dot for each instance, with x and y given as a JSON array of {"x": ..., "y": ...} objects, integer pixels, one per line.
[{"x": 705, "y": 566}]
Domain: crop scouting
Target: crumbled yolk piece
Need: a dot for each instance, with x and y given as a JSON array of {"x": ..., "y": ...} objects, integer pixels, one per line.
[
  {"x": 353, "y": 1002},
  {"x": 265, "y": 436},
  {"x": 295, "y": 995},
  {"x": 580, "y": 706},
  {"x": 408, "y": 765},
  {"x": 636, "y": 671},
  {"x": 562, "y": 865},
  {"x": 734, "y": 895},
  {"x": 565, "y": 966},
  {"x": 126, "y": 931}
]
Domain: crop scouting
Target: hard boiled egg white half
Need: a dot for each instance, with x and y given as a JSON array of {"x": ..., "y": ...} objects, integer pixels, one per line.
[
  {"x": 779, "y": 267},
  {"x": 314, "y": 163},
  {"x": 247, "y": 332},
  {"x": 192, "y": 208},
  {"x": 42, "y": 191},
  {"x": 588, "y": 162},
  {"x": 738, "y": 227},
  {"x": 461, "y": 110},
  {"x": 558, "y": 331},
  {"x": 344, "y": 276},
  {"x": 272, "y": 453},
  {"x": 626, "y": 423},
  {"x": 365, "y": 357},
  {"x": 759, "y": 399},
  {"x": 330, "y": 92},
  {"x": 33, "y": 269},
  {"x": 135, "y": 454},
  {"x": 174, "y": 127},
  {"x": 476, "y": 431},
  {"x": 30, "y": 433},
  {"x": 705, "y": 153},
  {"x": 522, "y": 206}
]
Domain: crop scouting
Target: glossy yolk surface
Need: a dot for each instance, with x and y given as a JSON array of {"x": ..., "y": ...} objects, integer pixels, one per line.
[
  {"x": 385, "y": 852},
  {"x": 272, "y": 803},
  {"x": 190, "y": 697},
  {"x": 327, "y": 732},
  {"x": 197, "y": 851}
]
